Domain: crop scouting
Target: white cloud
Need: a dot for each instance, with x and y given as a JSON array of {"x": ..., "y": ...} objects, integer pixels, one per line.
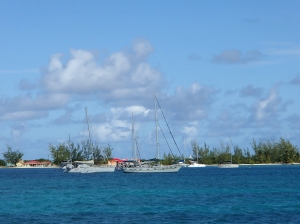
[
  {"x": 82, "y": 74},
  {"x": 118, "y": 126},
  {"x": 144, "y": 75},
  {"x": 120, "y": 75},
  {"x": 113, "y": 130},
  {"x": 191, "y": 130},
  {"x": 195, "y": 87},
  {"x": 267, "y": 106},
  {"x": 142, "y": 48},
  {"x": 26, "y": 107},
  {"x": 55, "y": 64}
]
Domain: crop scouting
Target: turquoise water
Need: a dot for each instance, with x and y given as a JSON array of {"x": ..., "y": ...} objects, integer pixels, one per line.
[{"x": 260, "y": 194}]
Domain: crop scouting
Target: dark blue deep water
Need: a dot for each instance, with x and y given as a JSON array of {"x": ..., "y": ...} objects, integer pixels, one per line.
[{"x": 259, "y": 194}]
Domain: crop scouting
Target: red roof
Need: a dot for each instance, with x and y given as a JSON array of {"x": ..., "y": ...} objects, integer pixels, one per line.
[{"x": 36, "y": 162}]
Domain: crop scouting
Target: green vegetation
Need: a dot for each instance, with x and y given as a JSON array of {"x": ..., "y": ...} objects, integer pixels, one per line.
[
  {"x": 281, "y": 151},
  {"x": 2, "y": 162},
  {"x": 87, "y": 150},
  {"x": 168, "y": 159},
  {"x": 11, "y": 156},
  {"x": 264, "y": 152}
]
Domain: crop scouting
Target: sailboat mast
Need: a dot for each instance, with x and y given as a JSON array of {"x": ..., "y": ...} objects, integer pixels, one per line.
[
  {"x": 69, "y": 144},
  {"x": 231, "y": 151},
  {"x": 87, "y": 121},
  {"x": 133, "y": 141},
  {"x": 197, "y": 150},
  {"x": 183, "y": 150},
  {"x": 156, "y": 130}
]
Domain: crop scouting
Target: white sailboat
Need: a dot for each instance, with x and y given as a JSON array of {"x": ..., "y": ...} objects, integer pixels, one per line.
[
  {"x": 195, "y": 164},
  {"x": 88, "y": 166},
  {"x": 157, "y": 168},
  {"x": 182, "y": 163}
]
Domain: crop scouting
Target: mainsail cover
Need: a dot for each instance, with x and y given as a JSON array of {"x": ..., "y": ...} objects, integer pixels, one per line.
[{"x": 85, "y": 162}]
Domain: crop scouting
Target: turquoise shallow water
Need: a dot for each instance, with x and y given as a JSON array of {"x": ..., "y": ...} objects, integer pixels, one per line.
[{"x": 260, "y": 194}]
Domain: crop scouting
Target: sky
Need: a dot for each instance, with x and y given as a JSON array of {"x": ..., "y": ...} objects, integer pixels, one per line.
[{"x": 221, "y": 70}]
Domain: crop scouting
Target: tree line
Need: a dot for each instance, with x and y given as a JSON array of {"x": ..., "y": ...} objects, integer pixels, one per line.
[
  {"x": 281, "y": 151},
  {"x": 11, "y": 156},
  {"x": 86, "y": 150}
]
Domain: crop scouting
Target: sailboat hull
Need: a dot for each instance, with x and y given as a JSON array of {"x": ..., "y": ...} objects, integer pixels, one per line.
[
  {"x": 196, "y": 165},
  {"x": 228, "y": 165},
  {"x": 91, "y": 169},
  {"x": 154, "y": 169}
]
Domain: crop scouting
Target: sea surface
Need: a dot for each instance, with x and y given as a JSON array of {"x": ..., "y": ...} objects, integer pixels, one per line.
[{"x": 249, "y": 194}]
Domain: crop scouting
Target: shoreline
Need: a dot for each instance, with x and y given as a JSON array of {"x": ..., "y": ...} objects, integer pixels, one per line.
[{"x": 211, "y": 165}]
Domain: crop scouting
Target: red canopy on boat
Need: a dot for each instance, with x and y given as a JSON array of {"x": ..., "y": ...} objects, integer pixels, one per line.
[{"x": 118, "y": 160}]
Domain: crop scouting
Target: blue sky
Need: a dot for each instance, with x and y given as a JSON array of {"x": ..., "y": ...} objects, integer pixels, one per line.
[{"x": 220, "y": 69}]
